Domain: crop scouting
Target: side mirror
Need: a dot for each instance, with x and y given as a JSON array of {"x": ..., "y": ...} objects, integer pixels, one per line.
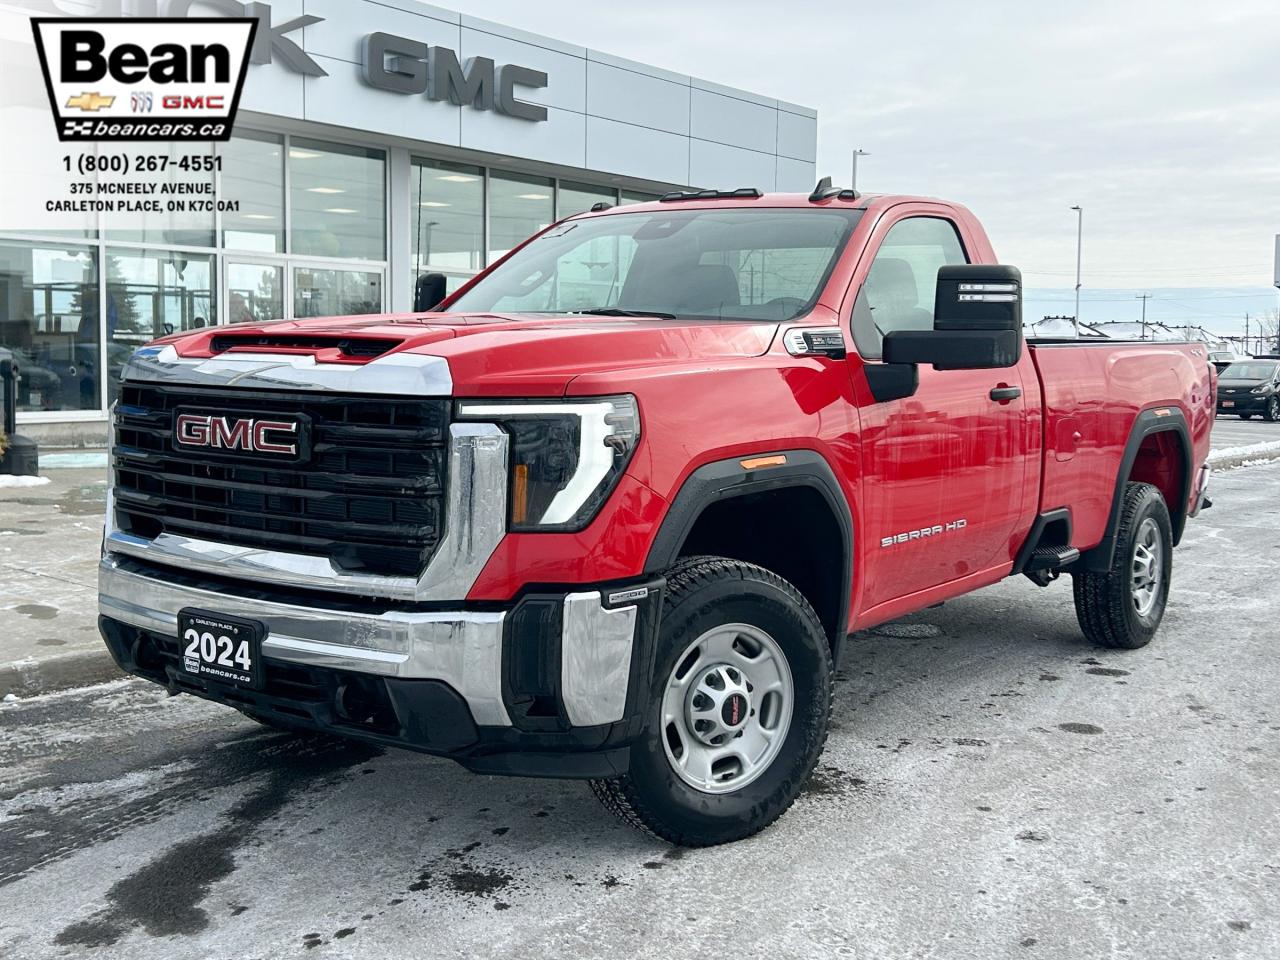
[
  {"x": 977, "y": 321},
  {"x": 428, "y": 292}
]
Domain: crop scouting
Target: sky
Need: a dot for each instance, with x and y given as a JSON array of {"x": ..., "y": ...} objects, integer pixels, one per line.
[{"x": 1161, "y": 119}]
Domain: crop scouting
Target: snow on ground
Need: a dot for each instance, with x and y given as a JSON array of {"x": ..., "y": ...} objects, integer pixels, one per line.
[
  {"x": 1263, "y": 449},
  {"x": 7, "y": 480}
]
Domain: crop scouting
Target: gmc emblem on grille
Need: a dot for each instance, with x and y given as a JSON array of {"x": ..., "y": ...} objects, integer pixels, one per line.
[{"x": 249, "y": 434}]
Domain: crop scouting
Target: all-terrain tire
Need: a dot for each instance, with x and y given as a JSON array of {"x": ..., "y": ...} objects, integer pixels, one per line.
[
  {"x": 702, "y": 594},
  {"x": 1106, "y": 605}
]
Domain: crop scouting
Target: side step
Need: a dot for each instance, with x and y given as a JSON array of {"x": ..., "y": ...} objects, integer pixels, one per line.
[{"x": 1052, "y": 558}]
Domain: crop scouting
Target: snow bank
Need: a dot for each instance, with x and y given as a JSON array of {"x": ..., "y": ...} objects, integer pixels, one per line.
[
  {"x": 7, "y": 480},
  {"x": 1268, "y": 449}
]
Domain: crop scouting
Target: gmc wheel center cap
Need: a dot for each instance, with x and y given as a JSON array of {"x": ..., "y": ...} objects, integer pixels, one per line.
[{"x": 734, "y": 711}]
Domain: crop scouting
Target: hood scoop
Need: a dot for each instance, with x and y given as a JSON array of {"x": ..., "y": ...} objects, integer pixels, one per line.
[{"x": 327, "y": 348}]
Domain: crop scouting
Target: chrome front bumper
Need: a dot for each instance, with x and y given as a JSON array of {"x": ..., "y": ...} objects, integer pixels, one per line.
[{"x": 462, "y": 648}]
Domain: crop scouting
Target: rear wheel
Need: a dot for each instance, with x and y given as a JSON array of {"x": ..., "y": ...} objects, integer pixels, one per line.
[
  {"x": 1123, "y": 607},
  {"x": 738, "y": 714}
]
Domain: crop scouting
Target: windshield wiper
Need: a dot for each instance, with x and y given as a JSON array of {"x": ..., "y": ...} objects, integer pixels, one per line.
[{"x": 616, "y": 312}]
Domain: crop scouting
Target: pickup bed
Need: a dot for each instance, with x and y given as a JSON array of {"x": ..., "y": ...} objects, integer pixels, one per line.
[{"x": 610, "y": 510}]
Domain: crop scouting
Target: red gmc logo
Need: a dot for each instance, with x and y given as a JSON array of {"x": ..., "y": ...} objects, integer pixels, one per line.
[{"x": 228, "y": 433}]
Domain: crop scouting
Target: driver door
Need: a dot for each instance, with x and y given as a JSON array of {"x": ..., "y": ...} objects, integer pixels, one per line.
[{"x": 945, "y": 469}]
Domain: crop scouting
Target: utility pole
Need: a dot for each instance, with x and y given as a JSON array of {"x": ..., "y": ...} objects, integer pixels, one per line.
[
  {"x": 858, "y": 152},
  {"x": 1144, "y": 297},
  {"x": 1246, "y": 333},
  {"x": 1079, "y": 243}
]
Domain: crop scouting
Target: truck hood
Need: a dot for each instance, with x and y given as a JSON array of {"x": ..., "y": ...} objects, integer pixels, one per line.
[{"x": 508, "y": 354}]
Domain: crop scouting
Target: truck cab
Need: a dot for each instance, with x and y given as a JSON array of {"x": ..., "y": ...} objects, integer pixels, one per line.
[{"x": 610, "y": 509}]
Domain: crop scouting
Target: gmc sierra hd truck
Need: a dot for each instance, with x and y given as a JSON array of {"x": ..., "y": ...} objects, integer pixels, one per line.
[{"x": 610, "y": 510}]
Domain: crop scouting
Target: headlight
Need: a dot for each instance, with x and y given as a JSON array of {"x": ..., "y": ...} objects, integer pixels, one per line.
[
  {"x": 1262, "y": 389},
  {"x": 566, "y": 455}
]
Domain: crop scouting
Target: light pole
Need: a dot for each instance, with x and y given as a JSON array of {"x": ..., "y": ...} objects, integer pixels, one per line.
[
  {"x": 1144, "y": 297},
  {"x": 858, "y": 152},
  {"x": 1079, "y": 241}
]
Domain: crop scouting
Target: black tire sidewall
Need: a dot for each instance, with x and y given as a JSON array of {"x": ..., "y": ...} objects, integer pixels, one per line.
[
  {"x": 1141, "y": 629},
  {"x": 795, "y": 628}
]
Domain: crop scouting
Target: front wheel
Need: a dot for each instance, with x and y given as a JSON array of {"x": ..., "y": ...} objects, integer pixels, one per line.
[
  {"x": 1244, "y": 416},
  {"x": 1123, "y": 607},
  {"x": 738, "y": 712},
  {"x": 1272, "y": 412}
]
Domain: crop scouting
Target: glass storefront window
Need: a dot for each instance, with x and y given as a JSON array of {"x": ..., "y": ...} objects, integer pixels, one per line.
[
  {"x": 518, "y": 207},
  {"x": 253, "y": 176},
  {"x": 323, "y": 292},
  {"x": 631, "y": 196},
  {"x": 151, "y": 293},
  {"x": 49, "y": 319},
  {"x": 577, "y": 197},
  {"x": 183, "y": 228},
  {"x": 338, "y": 200},
  {"x": 255, "y": 292},
  {"x": 446, "y": 216}
]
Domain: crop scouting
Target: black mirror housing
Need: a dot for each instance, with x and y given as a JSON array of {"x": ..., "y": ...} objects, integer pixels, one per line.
[
  {"x": 978, "y": 296},
  {"x": 954, "y": 349},
  {"x": 428, "y": 291}
]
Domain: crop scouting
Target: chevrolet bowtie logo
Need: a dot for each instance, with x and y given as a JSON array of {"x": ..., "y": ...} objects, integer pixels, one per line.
[{"x": 90, "y": 101}]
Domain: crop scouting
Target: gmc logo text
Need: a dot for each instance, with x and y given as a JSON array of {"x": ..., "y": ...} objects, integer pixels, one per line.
[{"x": 224, "y": 433}]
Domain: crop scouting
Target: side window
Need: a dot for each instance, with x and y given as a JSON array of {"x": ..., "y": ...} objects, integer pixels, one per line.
[{"x": 899, "y": 289}]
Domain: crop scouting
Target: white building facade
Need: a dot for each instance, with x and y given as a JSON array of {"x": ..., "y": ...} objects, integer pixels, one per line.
[{"x": 375, "y": 141}]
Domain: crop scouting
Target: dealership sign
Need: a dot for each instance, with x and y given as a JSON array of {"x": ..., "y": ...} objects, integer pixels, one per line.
[
  {"x": 393, "y": 63},
  {"x": 403, "y": 65},
  {"x": 144, "y": 78}
]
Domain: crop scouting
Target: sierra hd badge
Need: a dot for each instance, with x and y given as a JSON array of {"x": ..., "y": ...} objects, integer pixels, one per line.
[{"x": 144, "y": 78}]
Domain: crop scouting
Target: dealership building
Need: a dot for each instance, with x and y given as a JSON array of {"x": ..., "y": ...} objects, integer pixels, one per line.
[{"x": 375, "y": 141}]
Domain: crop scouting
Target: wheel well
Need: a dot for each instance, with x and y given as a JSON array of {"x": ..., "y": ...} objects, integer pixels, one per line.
[
  {"x": 791, "y": 531},
  {"x": 1161, "y": 462}
]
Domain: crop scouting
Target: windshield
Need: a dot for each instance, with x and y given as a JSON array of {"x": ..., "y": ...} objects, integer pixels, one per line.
[
  {"x": 1249, "y": 371},
  {"x": 741, "y": 264}
]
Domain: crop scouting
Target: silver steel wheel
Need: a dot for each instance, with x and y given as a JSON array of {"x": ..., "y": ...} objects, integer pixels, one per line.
[
  {"x": 1148, "y": 567},
  {"x": 727, "y": 708}
]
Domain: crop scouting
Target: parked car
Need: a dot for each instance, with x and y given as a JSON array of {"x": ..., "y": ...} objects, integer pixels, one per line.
[
  {"x": 1248, "y": 387},
  {"x": 1221, "y": 359},
  {"x": 626, "y": 542}
]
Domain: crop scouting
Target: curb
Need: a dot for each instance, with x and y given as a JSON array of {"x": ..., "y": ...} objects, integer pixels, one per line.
[
  {"x": 32, "y": 677},
  {"x": 1255, "y": 459}
]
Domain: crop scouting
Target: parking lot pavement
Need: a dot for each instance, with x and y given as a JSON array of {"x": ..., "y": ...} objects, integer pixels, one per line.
[
  {"x": 1234, "y": 432},
  {"x": 992, "y": 787},
  {"x": 49, "y": 546}
]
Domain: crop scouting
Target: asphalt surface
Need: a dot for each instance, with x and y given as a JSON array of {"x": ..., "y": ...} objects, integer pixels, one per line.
[
  {"x": 1231, "y": 431},
  {"x": 992, "y": 787}
]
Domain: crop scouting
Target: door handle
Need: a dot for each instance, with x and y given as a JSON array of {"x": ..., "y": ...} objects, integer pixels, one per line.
[{"x": 1003, "y": 393}]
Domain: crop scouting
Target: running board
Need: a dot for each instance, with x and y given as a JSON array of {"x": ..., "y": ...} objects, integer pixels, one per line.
[{"x": 1052, "y": 558}]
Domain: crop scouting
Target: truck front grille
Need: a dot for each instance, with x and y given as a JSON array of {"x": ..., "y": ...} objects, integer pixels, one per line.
[{"x": 369, "y": 494}]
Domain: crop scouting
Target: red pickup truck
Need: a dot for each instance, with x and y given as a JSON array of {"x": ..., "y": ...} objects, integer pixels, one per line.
[{"x": 611, "y": 508}]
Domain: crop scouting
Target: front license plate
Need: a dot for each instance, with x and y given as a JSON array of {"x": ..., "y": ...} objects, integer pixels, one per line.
[
  {"x": 215, "y": 646},
  {"x": 1228, "y": 403}
]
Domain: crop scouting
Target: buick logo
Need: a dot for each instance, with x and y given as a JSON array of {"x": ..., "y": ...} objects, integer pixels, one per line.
[{"x": 248, "y": 434}]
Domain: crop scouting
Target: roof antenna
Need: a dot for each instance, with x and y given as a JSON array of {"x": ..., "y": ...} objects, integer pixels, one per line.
[{"x": 824, "y": 191}]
